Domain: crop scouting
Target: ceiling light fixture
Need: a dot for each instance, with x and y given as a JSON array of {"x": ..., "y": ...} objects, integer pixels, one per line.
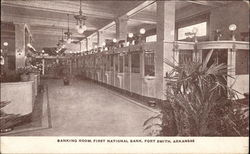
[
  {"x": 232, "y": 28},
  {"x": 80, "y": 21},
  {"x": 5, "y": 44},
  {"x": 68, "y": 33},
  {"x": 130, "y": 35}
]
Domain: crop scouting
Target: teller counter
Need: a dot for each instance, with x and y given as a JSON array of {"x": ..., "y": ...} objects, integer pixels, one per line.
[{"x": 21, "y": 95}]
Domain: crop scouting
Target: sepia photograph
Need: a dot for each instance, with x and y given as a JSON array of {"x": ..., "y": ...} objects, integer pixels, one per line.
[{"x": 122, "y": 72}]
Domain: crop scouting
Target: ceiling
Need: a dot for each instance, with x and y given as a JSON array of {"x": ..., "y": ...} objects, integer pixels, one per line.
[
  {"x": 44, "y": 16},
  {"x": 47, "y": 18}
]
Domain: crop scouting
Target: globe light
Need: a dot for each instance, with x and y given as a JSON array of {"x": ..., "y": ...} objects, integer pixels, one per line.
[
  {"x": 114, "y": 40},
  {"x": 69, "y": 40},
  {"x": 42, "y": 51},
  {"x": 5, "y": 44},
  {"x": 95, "y": 46},
  {"x": 29, "y": 45},
  {"x": 142, "y": 31},
  {"x": 195, "y": 30},
  {"x": 80, "y": 30},
  {"x": 232, "y": 27},
  {"x": 84, "y": 27},
  {"x": 1, "y": 60},
  {"x": 130, "y": 35}
]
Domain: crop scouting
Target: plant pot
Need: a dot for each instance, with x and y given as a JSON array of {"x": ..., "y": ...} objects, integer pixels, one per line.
[
  {"x": 25, "y": 77},
  {"x": 66, "y": 81}
]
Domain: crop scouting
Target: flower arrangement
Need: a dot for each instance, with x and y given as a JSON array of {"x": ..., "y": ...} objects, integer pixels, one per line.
[{"x": 28, "y": 69}]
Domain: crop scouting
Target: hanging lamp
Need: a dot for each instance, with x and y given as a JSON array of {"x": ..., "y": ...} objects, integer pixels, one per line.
[
  {"x": 80, "y": 21},
  {"x": 68, "y": 33}
]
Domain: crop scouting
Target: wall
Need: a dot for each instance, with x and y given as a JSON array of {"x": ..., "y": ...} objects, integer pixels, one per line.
[
  {"x": 233, "y": 13},
  {"x": 20, "y": 44},
  {"x": 8, "y": 35},
  {"x": 42, "y": 41}
]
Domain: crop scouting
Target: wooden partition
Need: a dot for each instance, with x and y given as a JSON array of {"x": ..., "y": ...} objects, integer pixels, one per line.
[
  {"x": 123, "y": 68},
  {"x": 132, "y": 68},
  {"x": 237, "y": 53}
]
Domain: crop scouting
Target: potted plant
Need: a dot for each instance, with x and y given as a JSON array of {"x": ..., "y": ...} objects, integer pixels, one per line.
[
  {"x": 7, "y": 121},
  {"x": 27, "y": 71},
  {"x": 199, "y": 102},
  {"x": 24, "y": 73}
]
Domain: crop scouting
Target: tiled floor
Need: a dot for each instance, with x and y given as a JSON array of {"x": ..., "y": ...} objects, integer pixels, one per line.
[{"x": 86, "y": 109}]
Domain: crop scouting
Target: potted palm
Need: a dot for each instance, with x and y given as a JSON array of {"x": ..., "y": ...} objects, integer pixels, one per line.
[
  {"x": 7, "y": 121},
  {"x": 198, "y": 101}
]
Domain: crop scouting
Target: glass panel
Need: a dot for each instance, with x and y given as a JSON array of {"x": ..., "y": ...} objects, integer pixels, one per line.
[
  {"x": 111, "y": 60},
  {"x": 135, "y": 63},
  {"x": 126, "y": 60},
  {"x": 149, "y": 63},
  {"x": 242, "y": 62},
  {"x": 202, "y": 30},
  {"x": 151, "y": 38},
  {"x": 116, "y": 62},
  {"x": 186, "y": 55},
  {"x": 126, "y": 63},
  {"x": 121, "y": 64}
]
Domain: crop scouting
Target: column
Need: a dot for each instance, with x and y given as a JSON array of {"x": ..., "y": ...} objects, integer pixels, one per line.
[
  {"x": 121, "y": 28},
  {"x": 231, "y": 58},
  {"x": 20, "y": 44},
  {"x": 43, "y": 66},
  {"x": 165, "y": 36}
]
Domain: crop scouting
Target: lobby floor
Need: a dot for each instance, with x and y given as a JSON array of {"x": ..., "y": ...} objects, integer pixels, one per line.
[{"x": 85, "y": 108}]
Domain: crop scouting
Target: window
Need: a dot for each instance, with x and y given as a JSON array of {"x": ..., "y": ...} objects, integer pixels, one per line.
[
  {"x": 109, "y": 62},
  {"x": 135, "y": 63},
  {"x": 242, "y": 62},
  {"x": 185, "y": 56},
  {"x": 126, "y": 63},
  {"x": 126, "y": 60},
  {"x": 116, "y": 62},
  {"x": 151, "y": 38},
  {"x": 202, "y": 30},
  {"x": 120, "y": 64},
  {"x": 149, "y": 63}
]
